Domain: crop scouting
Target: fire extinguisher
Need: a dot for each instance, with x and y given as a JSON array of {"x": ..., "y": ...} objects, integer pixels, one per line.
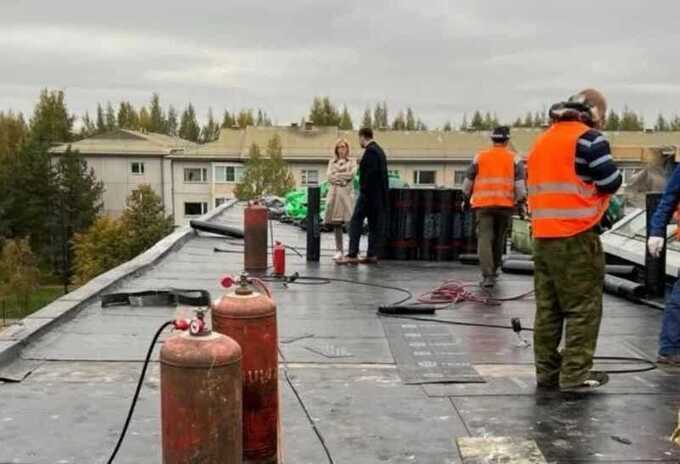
[{"x": 279, "y": 259}]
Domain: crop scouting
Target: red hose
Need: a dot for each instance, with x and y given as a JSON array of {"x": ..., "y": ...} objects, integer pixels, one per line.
[{"x": 455, "y": 291}]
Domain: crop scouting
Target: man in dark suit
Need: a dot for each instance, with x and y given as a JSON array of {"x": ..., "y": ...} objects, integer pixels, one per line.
[{"x": 372, "y": 202}]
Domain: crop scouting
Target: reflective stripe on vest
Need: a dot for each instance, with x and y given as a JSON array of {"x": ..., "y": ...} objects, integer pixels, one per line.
[
  {"x": 561, "y": 204},
  {"x": 494, "y": 183}
]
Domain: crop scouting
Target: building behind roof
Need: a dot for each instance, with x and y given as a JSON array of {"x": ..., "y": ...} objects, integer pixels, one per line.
[{"x": 192, "y": 179}]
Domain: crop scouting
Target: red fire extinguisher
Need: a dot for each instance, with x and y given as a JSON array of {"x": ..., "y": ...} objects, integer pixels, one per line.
[
  {"x": 279, "y": 259},
  {"x": 249, "y": 317},
  {"x": 201, "y": 388}
]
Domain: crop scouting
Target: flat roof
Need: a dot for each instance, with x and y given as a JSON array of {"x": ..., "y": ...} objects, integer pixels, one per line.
[{"x": 76, "y": 372}]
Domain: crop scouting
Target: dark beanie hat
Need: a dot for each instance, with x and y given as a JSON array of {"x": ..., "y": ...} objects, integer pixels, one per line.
[{"x": 501, "y": 134}]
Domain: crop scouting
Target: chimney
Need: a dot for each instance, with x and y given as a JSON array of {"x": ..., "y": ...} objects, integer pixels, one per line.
[{"x": 309, "y": 125}]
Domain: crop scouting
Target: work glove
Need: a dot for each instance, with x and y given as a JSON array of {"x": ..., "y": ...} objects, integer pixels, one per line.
[{"x": 655, "y": 245}]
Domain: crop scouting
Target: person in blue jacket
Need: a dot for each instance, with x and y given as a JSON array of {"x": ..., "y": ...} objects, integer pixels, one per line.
[{"x": 669, "y": 340}]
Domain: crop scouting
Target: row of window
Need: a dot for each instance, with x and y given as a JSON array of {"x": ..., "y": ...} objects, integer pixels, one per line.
[
  {"x": 233, "y": 174},
  {"x": 199, "y": 208}
]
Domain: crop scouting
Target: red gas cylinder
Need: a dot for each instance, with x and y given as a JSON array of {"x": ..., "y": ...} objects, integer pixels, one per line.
[
  {"x": 201, "y": 408},
  {"x": 249, "y": 317},
  {"x": 255, "y": 224},
  {"x": 279, "y": 259}
]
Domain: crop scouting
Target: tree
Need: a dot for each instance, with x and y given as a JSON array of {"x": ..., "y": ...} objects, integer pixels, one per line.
[
  {"x": 101, "y": 122},
  {"x": 77, "y": 203},
  {"x": 19, "y": 274},
  {"x": 111, "y": 122},
  {"x": 157, "y": 117},
  {"x": 51, "y": 122},
  {"x": 630, "y": 121},
  {"x": 399, "y": 122},
  {"x": 448, "y": 127},
  {"x": 127, "y": 116},
  {"x": 613, "y": 122},
  {"x": 144, "y": 221},
  {"x": 517, "y": 123},
  {"x": 477, "y": 122},
  {"x": 411, "y": 123},
  {"x": 464, "y": 124},
  {"x": 98, "y": 249},
  {"x": 88, "y": 127},
  {"x": 380, "y": 117},
  {"x": 144, "y": 120},
  {"x": 13, "y": 133},
  {"x": 675, "y": 123},
  {"x": 227, "y": 120},
  {"x": 661, "y": 124},
  {"x": 367, "y": 120},
  {"x": 420, "y": 125},
  {"x": 345, "y": 120},
  {"x": 171, "y": 123},
  {"x": 324, "y": 113},
  {"x": 211, "y": 130},
  {"x": 262, "y": 119},
  {"x": 528, "y": 120},
  {"x": 189, "y": 128},
  {"x": 265, "y": 176},
  {"x": 245, "y": 118}
]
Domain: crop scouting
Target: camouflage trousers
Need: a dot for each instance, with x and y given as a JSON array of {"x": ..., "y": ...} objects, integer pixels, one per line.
[
  {"x": 492, "y": 232},
  {"x": 569, "y": 280}
]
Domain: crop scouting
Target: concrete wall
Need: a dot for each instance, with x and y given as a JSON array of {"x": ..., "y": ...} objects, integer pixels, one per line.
[{"x": 115, "y": 172}]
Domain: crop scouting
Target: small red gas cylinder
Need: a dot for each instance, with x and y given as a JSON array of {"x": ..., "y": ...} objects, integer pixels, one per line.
[
  {"x": 249, "y": 317},
  {"x": 279, "y": 259},
  {"x": 201, "y": 408},
  {"x": 255, "y": 224}
]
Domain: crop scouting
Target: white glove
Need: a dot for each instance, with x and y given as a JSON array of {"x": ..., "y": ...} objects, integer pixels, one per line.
[{"x": 655, "y": 245}]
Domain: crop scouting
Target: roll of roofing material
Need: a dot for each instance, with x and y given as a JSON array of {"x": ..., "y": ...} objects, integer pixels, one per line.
[
  {"x": 468, "y": 258},
  {"x": 219, "y": 229},
  {"x": 517, "y": 266},
  {"x": 623, "y": 287},
  {"x": 514, "y": 257}
]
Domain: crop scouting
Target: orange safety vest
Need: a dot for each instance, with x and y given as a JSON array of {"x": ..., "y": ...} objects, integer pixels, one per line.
[
  {"x": 495, "y": 180},
  {"x": 561, "y": 204}
]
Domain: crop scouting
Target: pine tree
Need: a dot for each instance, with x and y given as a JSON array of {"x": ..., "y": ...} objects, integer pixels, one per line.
[
  {"x": 211, "y": 130},
  {"x": 111, "y": 122},
  {"x": 675, "y": 123},
  {"x": 528, "y": 120},
  {"x": 488, "y": 121},
  {"x": 613, "y": 122},
  {"x": 518, "y": 123},
  {"x": 630, "y": 121},
  {"x": 144, "y": 120},
  {"x": 51, "y": 121},
  {"x": 477, "y": 122},
  {"x": 144, "y": 221},
  {"x": 189, "y": 128},
  {"x": 367, "y": 120},
  {"x": 158, "y": 122},
  {"x": 399, "y": 122},
  {"x": 346, "y": 120},
  {"x": 410, "y": 119},
  {"x": 171, "y": 125},
  {"x": 464, "y": 124},
  {"x": 245, "y": 118},
  {"x": 13, "y": 133},
  {"x": 420, "y": 125},
  {"x": 88, "y": 127},
  {"x": 279, "y": 178},
  {"x": 661, "y": 124},
  {"x": 448, "y": 127},
  {"x": 380, "y": 117},
  {"x": 101, "y": 122},
  {"x": 227, "y": 120},
  {"x": 324, "y": 113}
]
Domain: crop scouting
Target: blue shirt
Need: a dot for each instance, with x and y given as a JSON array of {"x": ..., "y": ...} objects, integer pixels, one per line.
[{"x": 667, "y": 205}]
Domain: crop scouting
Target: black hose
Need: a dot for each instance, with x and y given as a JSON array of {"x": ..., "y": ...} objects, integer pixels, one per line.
[{"x": 139, "y": 388}]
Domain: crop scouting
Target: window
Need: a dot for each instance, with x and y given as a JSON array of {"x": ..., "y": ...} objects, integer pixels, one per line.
[
  {"x": 310, "y": 177},
  {"x": 195, "y": 208},
  {"x": 424, "y": 177},
  {"x": 220, "y": 201},
  {"x": 195, "y": 175},
  {"x": 459, "y": 177},
  {"x": 228, "y": 174},
  {"x": 137, "y": 168},
  {"x": 393, "y": 173}
]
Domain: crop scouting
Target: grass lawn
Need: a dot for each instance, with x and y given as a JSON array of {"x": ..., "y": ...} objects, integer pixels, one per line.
[{"x": 9, "y": 309}]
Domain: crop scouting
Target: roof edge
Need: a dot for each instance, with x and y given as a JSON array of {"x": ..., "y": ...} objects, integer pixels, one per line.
[{"x": 32, "y": 327}]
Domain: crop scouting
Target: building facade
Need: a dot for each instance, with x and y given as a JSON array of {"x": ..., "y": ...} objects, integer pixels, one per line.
[{"x": 192, "y": 179}]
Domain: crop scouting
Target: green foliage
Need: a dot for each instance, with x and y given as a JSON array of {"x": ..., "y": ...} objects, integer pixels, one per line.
[
  {"x": 263, "y": 119},
  {"x": 380, "y": 116},
  {"x": 109, "y": 242},
  {"x": 13, "y": 133},
  {"x": 399, "y": 122},
  {"x": 111, "y": 122},
  {"x": 228, "y": 120},
  {"x": 245, "y": 118},
  {"x": 345, "y": 120},
  {"x": 171, "y": 124},
  {"x": 630, "y": 121},
  {"x": 477, "y": 122},
  {"x": 157, "y": 121},
  {"x": 87, "y": 128},
  {"x": 51, "y": 123},
  {"x": 448, "y": 127},
  {"x": 661, "y": 124},
  {"x": 19, "y": 273},
  {"x": 189, "y": 128},
  {"x": 211, "y": 130},
  {"x": 367, "y": 120},
  {"x": 464, "y": 125},
  {"x": 101, "y": 122},
  {"x": 144, "y": 120},
  {"x": 144, "y": 220},
  {"x": 265, "y": 176},
  {"x": 324, "y": 113}
]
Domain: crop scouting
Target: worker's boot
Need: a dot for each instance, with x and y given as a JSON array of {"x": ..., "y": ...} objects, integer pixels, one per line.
[
  {"x": 488, "y": 282},
  {"x": 672, "y": 360},
  {"x": 594, "y": 380}
]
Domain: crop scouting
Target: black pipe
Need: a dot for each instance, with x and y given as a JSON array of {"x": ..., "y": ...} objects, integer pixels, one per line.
[
  {"x": 219, "y": 229},
  {"x": 313, "y": 224},
  {"x": 655, "y": 268}
]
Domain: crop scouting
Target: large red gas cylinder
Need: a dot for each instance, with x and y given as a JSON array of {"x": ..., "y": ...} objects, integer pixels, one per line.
[
  {"x": 279, "y": 259},
  {"x": 249, "y": 317},
  {"x": 201, "y": 408},
  {"x": 255, "y": 224}
]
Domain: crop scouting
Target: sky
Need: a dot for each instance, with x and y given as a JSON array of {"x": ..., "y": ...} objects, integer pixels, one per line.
[{"x": 443, "y": 58}]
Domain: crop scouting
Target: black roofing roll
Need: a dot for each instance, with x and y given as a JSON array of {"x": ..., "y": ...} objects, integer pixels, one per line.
[
  {"x": 428, "y": 224},
  {"x": 444, "y": 243},
  {"x": 457, "y": 223},
  {"x": 219, "y": 229},
  {"x": 401, "y": 243},
  {"x": 469, "y": 231},
  {"x": 623, "y": 287},
  {"x": 514, "y": 266},
  {"x": 468, "y": 258}
]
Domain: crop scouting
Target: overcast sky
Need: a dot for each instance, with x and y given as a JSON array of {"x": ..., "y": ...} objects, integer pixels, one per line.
[{"x": 441, "y": 57}]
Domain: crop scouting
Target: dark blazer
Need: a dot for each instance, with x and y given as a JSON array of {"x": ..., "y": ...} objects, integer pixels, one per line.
[{"x": 373, "y": 179}]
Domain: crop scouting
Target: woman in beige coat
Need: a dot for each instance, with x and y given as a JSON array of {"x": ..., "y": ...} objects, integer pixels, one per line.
[{"x": 340, "y": 198}]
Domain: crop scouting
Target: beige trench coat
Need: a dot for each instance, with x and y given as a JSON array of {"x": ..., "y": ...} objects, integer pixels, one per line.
[{"x": 340, "y": 198}]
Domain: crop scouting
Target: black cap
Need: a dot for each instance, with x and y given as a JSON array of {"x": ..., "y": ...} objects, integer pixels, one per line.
[{"x": 501, "y": 134}]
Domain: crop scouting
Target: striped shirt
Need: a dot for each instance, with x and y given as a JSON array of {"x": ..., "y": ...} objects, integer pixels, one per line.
[{"x": 594, "y": 162}]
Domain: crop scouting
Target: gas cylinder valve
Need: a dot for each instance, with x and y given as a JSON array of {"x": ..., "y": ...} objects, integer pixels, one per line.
[{"x": 195, "y": 326}]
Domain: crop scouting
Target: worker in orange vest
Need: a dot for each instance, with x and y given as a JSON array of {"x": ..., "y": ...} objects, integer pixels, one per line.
[
  {"x": 494, "y": 184},
  {"x": 570, "y": 176}
]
